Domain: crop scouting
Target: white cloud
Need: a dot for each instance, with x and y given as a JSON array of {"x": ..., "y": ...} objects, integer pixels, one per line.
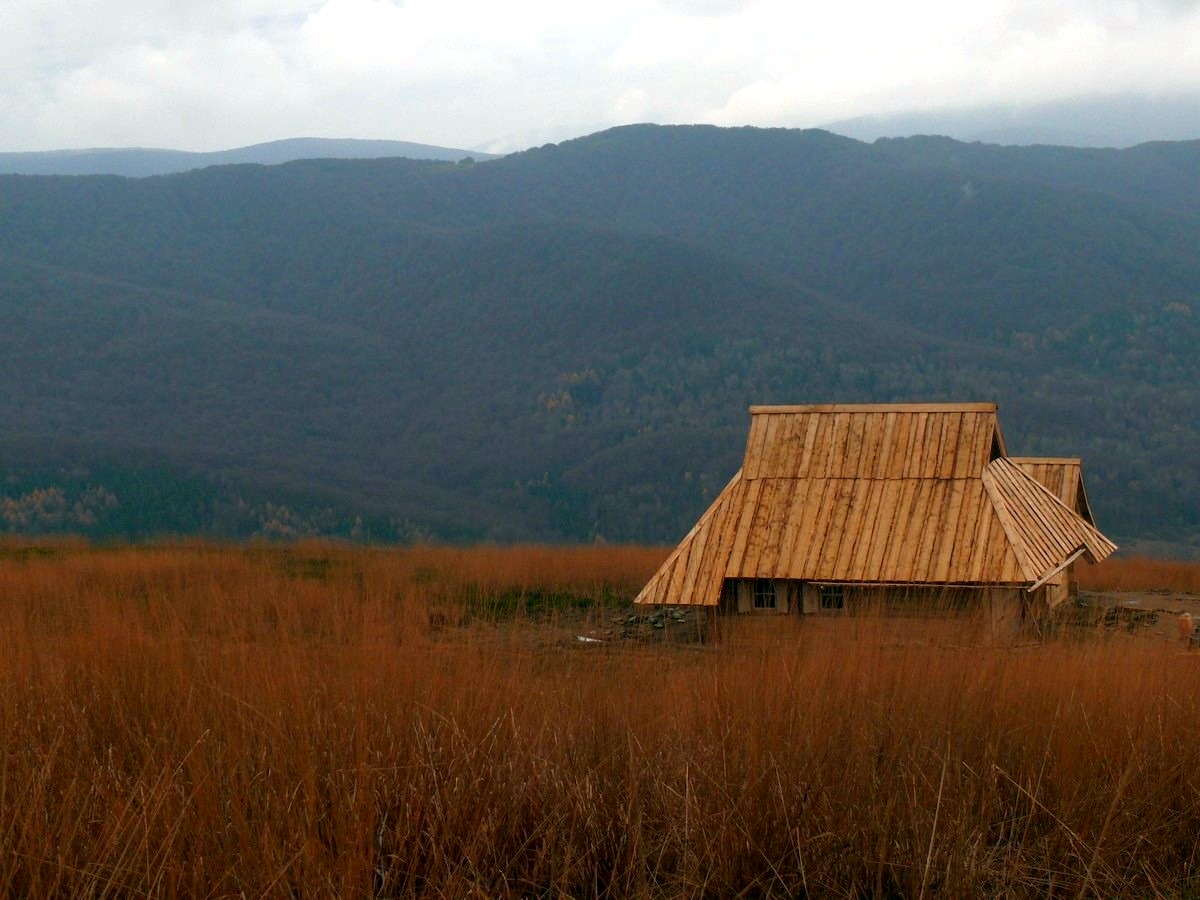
[
  {"x": 708, "y": 7},
  {"x": 175, "y": 95},
  {"x": 360, "y": 37},
  {"x": 965, "y": 54},
  {"x": 475, "y": 73}
]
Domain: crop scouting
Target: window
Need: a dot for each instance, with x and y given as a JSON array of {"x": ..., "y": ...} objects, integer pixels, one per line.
[
  {"x": 764, "y": 593},
  {"x": 833, "y": 596}
]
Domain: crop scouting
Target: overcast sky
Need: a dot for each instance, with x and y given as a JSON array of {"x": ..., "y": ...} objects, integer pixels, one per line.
[{"x": 489, "y": 75}]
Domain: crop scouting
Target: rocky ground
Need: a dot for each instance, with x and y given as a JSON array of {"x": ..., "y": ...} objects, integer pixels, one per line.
[{"x": 1150, "y": 614}]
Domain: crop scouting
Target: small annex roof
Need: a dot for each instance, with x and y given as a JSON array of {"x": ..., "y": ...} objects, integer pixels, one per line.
[
  {"x": 1062, "y": 476},
  {"x": 876, "y": 494}
]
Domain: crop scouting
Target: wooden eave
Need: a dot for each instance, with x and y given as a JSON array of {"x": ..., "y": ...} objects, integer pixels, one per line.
[{"x": 694, "y": 573}]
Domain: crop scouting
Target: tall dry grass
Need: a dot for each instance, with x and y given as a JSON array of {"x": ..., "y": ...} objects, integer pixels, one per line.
[
  {"x": 206, "y": 721},
  {"x": 1141, "y": 574}
]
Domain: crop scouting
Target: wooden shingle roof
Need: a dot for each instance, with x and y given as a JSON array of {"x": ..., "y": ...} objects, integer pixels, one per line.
[{"x": 891, "y": 494}]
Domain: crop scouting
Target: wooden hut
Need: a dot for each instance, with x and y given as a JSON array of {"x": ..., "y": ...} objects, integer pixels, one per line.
[{"x": 838, "y": 506}]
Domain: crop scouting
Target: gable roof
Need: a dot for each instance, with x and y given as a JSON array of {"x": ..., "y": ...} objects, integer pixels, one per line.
[{"x": 880, "y": 493}]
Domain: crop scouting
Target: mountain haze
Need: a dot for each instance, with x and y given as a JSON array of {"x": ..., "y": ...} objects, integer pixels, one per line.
[
  {"x": 561, "y": 344},
  {"x": 138, "y": 162},
  {"x": 1119, "y": 120}
]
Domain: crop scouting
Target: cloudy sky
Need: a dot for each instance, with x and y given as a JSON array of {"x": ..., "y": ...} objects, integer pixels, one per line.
[{"x": 489, "y": 75}]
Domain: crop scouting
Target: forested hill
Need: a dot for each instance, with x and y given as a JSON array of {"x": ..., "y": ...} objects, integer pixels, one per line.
[{"x": 561, "y": 344}]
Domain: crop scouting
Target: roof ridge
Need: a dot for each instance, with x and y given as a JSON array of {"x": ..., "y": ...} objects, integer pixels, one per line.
[
  {"x": 757, "y": 410},
  {"x": 1048, "y": 460}
]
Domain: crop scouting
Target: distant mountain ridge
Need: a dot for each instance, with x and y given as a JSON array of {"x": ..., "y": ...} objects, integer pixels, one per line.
[
  {"x": 1116, "y": 121},
  {"x": 562, "y": 344},
  {"x": 137, "y": 162}
]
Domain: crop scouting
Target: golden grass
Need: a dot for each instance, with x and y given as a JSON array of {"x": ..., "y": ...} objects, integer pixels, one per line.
[
  {"x": 209, "y": 721},
  {"x": 1141, "y": 574}
]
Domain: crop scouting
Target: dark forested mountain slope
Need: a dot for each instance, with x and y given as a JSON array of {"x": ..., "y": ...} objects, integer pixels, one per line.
[{"x": 562, "y": 343}]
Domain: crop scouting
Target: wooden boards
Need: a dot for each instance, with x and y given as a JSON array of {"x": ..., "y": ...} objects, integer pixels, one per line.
[
  {"x": 1063, "y": 477},
  {"x": 916, "y": 441},
  {"x": 1041, "y": 528},
  {"x": 907, "y": 531}
]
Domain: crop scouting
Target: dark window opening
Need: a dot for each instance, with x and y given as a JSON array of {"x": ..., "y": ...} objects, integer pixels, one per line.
[
  {"x": 833, "y": 596},
  {"x": 729, "y": 592},
  {"x": 764, "y": 594}
]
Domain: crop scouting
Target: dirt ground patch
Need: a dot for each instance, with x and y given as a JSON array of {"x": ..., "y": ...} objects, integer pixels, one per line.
[{"x": 1147, "y": 613}]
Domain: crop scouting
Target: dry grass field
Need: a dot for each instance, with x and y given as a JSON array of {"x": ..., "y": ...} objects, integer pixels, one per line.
[
  {"x": 1118, "y": 574},
  {"x": 324, "y": 721}
]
